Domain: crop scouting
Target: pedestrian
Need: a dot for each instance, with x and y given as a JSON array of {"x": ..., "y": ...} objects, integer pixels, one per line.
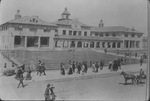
[
  {"x": 86, "y": 67},
  {"x": 110, "y": 65},
  {"x": 73, "y": 67},
  {"x": 39, "y": 67},
  {"x": 101, "y": 64},
  {"x": 70, "y": 71},
  {"x": 96, "y": 67},
  {"x": 119, "y": 63},
  {"x": 52, "y": 94},
  {"x": 83, "y": 68},
  {"x": 141, "y": 61},
  {"x": 42, "y": 69},
  {"x": 21, "y": 78},
  {"x": 62, "y": 69},
  {"x": 115, "y": 65},
  {"x": 47, "y": 93},
  {"x": 93, "y": 67},
  {"x": 28, "y": 75},
  {"x": 78, "y": 68}
]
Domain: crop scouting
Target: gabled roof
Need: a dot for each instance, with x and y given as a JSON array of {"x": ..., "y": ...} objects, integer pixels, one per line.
[
  {"x": 70, "y": 22},
  {"x": 29, "y": 20},
  {"x": 114, "y": 29}
]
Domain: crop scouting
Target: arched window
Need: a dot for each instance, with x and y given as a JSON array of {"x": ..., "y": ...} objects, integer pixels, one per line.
[
  {"x": 72, "y": 44},
  {"x": 85, "y": 44},
  {"x": 108, "y": 44},
  {"x": 79, "y": 44},
  {"x": 118, "y": 45},
  {"x": 91, "y": 44},
  {"x": 98, "y": 45},
  {"x": 103, "y": 44},
  {"x": 113, "y": 45}
]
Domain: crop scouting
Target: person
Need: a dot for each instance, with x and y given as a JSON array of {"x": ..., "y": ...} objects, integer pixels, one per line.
[
  {"x": 93, "y": 67},
  {"x": 21, "y": 78},
  {"x": 62, "y": 69},
  {"x": 96, "y": 66},
  {"x": 39, "y": 67},
  {"x": 28, "y": 76},
  {"x": 110, "y": 65},
  {"x": 79, "y": 68},
  {"x": 70, "y": 71},
  {"x": 142, "y": 73},
  {"x": 115, "y": 65},
  {"x": 86, "y": 67},
  {"x": 141, "y": 61},
  {"x": 52, "y": 94},
  {"x": 42, "y": 69},
  {"x": 73, "y": 66},
  {"x": 101, "y": 64},
  {"x": 83, "y": 68},
  {"x": 47, "y": 93},
  {"x": 119, "y": 63}
]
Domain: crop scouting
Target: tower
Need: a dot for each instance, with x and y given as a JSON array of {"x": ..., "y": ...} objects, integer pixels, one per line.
[
  {"x": 18, "y": 15},
  {"x": 65, "y": 14},
  {"x": 101, "y": 24}
]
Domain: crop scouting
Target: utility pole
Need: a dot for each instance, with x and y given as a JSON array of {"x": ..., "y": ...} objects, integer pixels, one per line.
[{"x": 148, "y": 50}]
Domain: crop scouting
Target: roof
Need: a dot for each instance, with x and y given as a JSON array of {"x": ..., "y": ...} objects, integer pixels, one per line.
[
  {"x": 114, "y": 29},
  {"x": 70, "y": 22},
  {"x": 29, "y": 20},
  {"x": 87, "y": 38}
]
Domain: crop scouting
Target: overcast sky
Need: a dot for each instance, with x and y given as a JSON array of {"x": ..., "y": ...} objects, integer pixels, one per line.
[{"x": 126, "y": 13}]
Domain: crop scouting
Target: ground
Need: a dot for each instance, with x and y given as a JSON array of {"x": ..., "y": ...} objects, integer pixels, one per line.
[{"x": 100, "y": 87}]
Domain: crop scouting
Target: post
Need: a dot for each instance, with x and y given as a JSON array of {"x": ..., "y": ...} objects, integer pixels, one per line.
[{"x": 148, "y": 50}]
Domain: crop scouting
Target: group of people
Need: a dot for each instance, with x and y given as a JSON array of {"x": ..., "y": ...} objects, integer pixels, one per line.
[
  {"x": 115, "y": 65},
  {"x": 40, "y": 68},
  {"x": 80, "y": 67},
  {"x": 19, "y": 75}
]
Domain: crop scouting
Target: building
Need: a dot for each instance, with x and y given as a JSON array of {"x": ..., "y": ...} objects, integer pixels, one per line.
[{"x": 32, "y": 33}]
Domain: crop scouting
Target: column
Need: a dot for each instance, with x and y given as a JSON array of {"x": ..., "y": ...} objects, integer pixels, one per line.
[
  {"x": 69, "y": 43},
  {"x": 25, "y": 43},
  {"x": 76, "y": 42},
  {"x": 83, "y": 44},
  {"x": 95, "y": 44},
  {"x": 39, "y": 42}
]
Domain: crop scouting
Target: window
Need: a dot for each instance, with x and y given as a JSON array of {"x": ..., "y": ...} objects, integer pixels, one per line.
[
  {"x": 18, "y": 28},
  {"x": 107, "y": 34},
  {"x": 72, "y": 44},
  {"x": 132, "y": 35},
  {"x": 32, "y": 41},
  {"x": 139, "y": 35},
  {"x": 33, "y": 29},
  {"x": 92, "y": 45},
  {"x": 70, "y": 32},
  {"x": 85, "y": 33},
  {"x": 17, "y": 40},
  {"x": 118, "y": 45},
  {"x": 79, "y": 33},
  {"x": 79, "y": 45},
  {"x": 64, "y": 32},
  {"x": 126, "y": 35},
  {"x": 114, "y": 34},
  {"x": 74, "y": 33},
  {"x": 96, "y": 34},
  {"x": 101, "y": 34},
  {"x": 44, "y": 41},
  {"x": 46, "y": 30},
  {"x": 98, "y": 45}
]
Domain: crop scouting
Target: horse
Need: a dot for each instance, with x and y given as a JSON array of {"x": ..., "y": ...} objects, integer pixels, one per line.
[{"x": 129, "y": 77}]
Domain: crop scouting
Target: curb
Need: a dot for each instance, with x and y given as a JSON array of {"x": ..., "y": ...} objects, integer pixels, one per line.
[{"x": 87, "y": 77}]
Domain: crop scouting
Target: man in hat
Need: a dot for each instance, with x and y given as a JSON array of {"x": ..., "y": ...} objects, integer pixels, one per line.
[
  {"x": 47, "y": 93},
  {"x": 20, "y": 74}
]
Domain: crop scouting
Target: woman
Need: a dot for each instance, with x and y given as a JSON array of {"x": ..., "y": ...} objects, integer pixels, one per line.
[
  {"x": 62, "y": 69},
  {"x": 70, "y": 69},
  {"x": 28, "y": 76}
]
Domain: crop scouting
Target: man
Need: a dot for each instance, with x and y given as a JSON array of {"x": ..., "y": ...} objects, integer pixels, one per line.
[
  {"x": 46, "y": 93},
  {"x": 96, "y": 66},
  {"x": 52, "y": 94},
  {"x": 93, "y": 67},
  {"x": 73, "y": 66},
  {"x": 141, "y": 61},
  {"x": 101, "y": 64},
  {"x": 42, "y": 69},
  {"x": 119, "y": 63},
  {"x": 20, "y": 74},
  {"x": 79, "y": 68},
  {"x": 86, "y": 67},
  {"x": 39, "y": 67}
]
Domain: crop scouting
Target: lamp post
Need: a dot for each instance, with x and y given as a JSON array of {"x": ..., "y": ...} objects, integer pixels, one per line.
[{"x": 148, "y": 50}]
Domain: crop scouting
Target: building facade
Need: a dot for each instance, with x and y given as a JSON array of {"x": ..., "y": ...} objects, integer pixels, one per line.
[{"x": 32, "y": 33}]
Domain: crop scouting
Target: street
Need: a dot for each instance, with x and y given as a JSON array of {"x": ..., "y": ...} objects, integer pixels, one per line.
[{"x": 101, "y": 87}]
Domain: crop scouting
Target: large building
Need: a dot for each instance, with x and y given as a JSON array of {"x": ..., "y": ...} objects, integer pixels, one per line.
[{"x": 32, "y": 33}]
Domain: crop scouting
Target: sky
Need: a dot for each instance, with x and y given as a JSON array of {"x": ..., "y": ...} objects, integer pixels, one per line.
[{"x": 128, "y": 13}]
